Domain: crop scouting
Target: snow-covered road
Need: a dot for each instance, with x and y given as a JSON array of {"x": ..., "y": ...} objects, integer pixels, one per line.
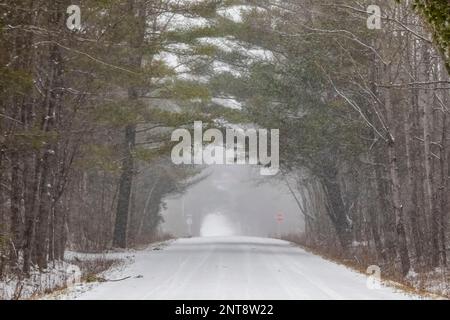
[{"x": 234, "y": 268}]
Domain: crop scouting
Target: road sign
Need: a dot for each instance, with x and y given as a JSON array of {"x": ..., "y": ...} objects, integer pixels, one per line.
[
  {"x": 279, "y": 217},
  {"x": 189, "y": 222}
]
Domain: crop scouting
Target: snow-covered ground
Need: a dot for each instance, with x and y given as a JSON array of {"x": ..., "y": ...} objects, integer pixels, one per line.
[
  {"x": 57, "y": 275},
  {"x": 231, "y": 268}
]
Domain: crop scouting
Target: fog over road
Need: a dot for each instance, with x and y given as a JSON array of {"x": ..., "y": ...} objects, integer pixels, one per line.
[
  {"x": 244, "y": 198},
  {"x": 233, "y": 268}
]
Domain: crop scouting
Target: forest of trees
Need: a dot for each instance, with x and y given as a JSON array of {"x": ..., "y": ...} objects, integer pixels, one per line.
[
  {"x": 364, "y": 124},
  {"x": 86, "y": 117}
]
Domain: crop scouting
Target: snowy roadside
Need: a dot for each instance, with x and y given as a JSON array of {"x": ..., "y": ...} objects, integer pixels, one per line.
[
  {"x": 78, "y": 273},
  {"x": 412, "y": 285},
  {"x": 116, "y": 272},
  {"x": 60, "y": 274},
  {"x": 92, "y": 280}
]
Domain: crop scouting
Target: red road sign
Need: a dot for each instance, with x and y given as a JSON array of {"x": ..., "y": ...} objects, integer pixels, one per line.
[{"x": 279, "y": 217}]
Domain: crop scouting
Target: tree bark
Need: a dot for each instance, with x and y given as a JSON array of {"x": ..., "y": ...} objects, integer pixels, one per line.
[
  {"x": 430, "y": 208},
  {"x": 15, "y": 209},
  {"x": 397, "y": 205},
  {"x": 336, "y": 207},
  {"x": 125, "y": 184},
  {"x": 138, "y": 10}
]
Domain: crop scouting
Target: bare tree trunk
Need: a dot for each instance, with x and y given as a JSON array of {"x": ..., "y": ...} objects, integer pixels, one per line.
[
  {"x": 126, "y": 178},
  {"x": 372, "y": 212},
  {"x": 46, "y": 189},
  {"x": 412, "y": 194},
  {"x": 444, "y": 191},
  {"x": 43, "y": 216},
  {"x": 395, "y": 181},
  {"x": 31, "y": 201},
  {"x": 398, "y": 211},
  {"x": 15, "y": 208},
  {"x": 125, "y": 184},
  {"x": 2, "y": 189},
  {"x": 430, "y": 209},
  {"x": 336, "y": 208},
  {"x": 384, "y": 205}
]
